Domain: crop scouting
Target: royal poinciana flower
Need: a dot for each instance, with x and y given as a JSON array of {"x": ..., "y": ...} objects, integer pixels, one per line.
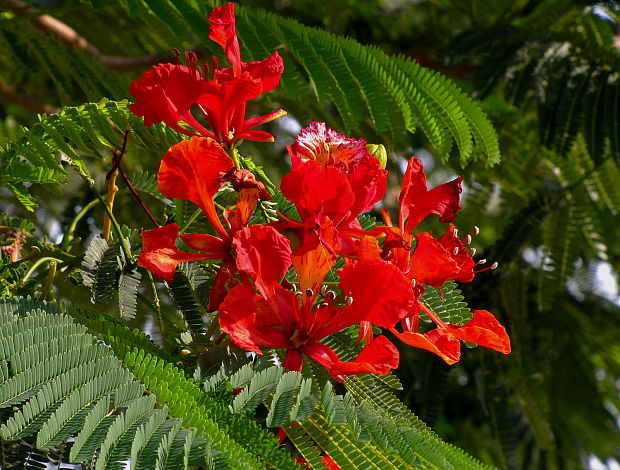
[
  {"x": 170, "y": 92},
  {"x": 432, "y": 262},
  {"x": 195, "y": 170},
  {"x": 275, "y": 317},
  {"x": 333, "y": 180}
]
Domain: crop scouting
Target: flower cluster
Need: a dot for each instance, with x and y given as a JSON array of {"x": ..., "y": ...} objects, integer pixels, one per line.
[
  {"x": 270, "y": 289},
  {"x": 170, "y": 92}
]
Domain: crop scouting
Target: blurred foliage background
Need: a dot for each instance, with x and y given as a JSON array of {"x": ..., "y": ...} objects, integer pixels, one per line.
[{"x": 546, "y": 72}]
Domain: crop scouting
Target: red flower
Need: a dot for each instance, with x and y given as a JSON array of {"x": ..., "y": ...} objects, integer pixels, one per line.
[
  {"x": 327, "y": 147},
  {"x": 192, "y": 170},
  {"x": 331, "y": 149},
  {"x": 161, "y": 256},
  {"x": 170, "y": 91},
  {"x": 276, "y": 317},
  {"x": 483, "y": 329},
  {"x": 417, "y": 202},
  {"x": 195, "y": 170},
  {"x": 334, "y": 180},
  {"x": 435, "y": 261}
]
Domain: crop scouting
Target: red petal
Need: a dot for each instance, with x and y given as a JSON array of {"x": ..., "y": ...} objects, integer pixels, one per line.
[
  {"x": 249, "y": 321},
  {"x": 417, "y": 202},
  {"x": 223, "y": 104},
  {"x": 207, "y": 243},
  {"x": 160, "y": 254},
  {"x": 368, "y": 249},
  {"x": 266, "y": 72},
  {"x": 320, "y": 353},
  {"x": 379, "y": 357},
  {"x": 223, "y": 32},
  {"x": 257, "y": 121},
  {"x": 239, "y": 217},
  {"x": 166, "y": 94},
  {"x": 312, "y": 267},
  {"x": 255, "y": 136},
  {"x": 437, "y": 341},
  {"x": 264, "y": 254},
  {"x": 224, "y": 281},
  {"x": 293, "y": 360},
  {"x": 317, "y": 190},
  {"x": 484, "y": 330},
  {"x": 190, "y": 170},
  {"x": 331, "y": 465},
  {"x": 368, "y": 182},
  {"x": 381, "y": 293},
  {"x": 434, "y": 262}
]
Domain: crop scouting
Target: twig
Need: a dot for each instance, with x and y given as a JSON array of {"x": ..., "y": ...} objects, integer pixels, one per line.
[{"x": 116, "y": 166}]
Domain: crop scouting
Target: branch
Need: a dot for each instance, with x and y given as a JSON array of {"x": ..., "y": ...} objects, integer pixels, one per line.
[
  {"x": 24, "y": 100},
  {"x": 66, "y": 34}
]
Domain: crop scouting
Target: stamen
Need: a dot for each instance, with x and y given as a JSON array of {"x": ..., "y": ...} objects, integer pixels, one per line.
[
  {"x": 330, "y": 296},
  {"x": 476, "y": 230},
  {"x": 323, "y": 289},
  {"x": 323, "y": 305},
  {"x": 216, "y": 66},
  {"x": 349, "y": 300},
  {"x": 468, "y": 239},
  {"x": 298, "y": 294},
  {"x": 413, "y": 283},
  {"x": 455, "y": 232},
  {"x": 192, "y": 59},
  {"x": 493, "y": 266},
  {"x": 309, "y": 292},
  {"x": 473, "y": 252},
  {"x": 455, "y": 251},
  {"x": 482, "y": 261}
]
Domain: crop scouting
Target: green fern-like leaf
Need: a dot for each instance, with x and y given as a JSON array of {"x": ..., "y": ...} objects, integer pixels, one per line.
[
  {"x": 261, "y": 385},
  {"x": 93, "y": 256},
  {"x": 106, "y": 276},
  {"x": 83, "y": 390},
  {"x": 187, "y": 302},
  {"x": 89, "y": 129},
  {"x": 127, "y": 293},
  {"x": 447, "y": 303}
]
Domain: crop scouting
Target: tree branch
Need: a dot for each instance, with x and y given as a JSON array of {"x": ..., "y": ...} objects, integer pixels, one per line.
[
  {"x": 24, "y": 100},
  {"x": 64, "y": 33}
]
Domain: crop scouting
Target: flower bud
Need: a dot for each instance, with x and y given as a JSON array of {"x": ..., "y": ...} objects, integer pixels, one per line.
[{"x": 378, "y": 151}]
